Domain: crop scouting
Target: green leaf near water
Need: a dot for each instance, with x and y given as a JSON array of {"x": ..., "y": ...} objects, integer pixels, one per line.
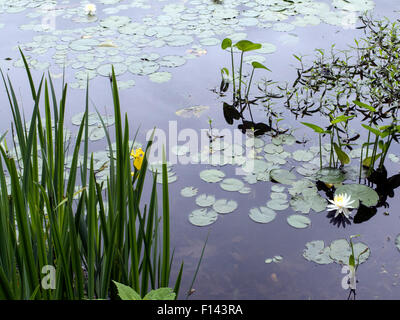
[
  {"x": 160, "y": 294},
  {"x": 246, "y": 45},
  {"x": 316, "y": 128},
  {"x": 364, "y": 105},
  {"x": 226, "y": 43},
  {"x": 126, "y": 293},
  {"x": 343, "y": 157},
  {"x": 258, "y": 65}
]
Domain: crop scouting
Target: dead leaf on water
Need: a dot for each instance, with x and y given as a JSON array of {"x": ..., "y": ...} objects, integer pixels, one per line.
[{"x": 192, "y": 111}]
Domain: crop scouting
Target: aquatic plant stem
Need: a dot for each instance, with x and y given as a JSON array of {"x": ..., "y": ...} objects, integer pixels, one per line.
[{"x": 233, "y": 74}]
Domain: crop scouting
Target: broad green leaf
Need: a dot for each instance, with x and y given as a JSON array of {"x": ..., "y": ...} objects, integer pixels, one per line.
[
  {"x": 226, "y": 43},
  {"x": 343, "y": 157},
  {"x": 126, "y": 293},
  {"x": 246, "y": 45},
  {"x": 258, "y": 65},
  {"x": 160, "y": 294}
]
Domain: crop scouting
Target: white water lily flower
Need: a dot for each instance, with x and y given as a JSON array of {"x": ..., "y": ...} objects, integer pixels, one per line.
[
  {"x": 90, "y": 9},
  {"x": 341, "y": 203}
]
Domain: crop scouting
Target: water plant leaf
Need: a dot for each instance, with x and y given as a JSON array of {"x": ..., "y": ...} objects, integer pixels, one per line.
[
  {"x": 302, "y": 155},
  {"x": 364, "y": 105},
  {"x": 373, "y": 130},
  {"x": 226, "y": 43},
  {"x": 369, "y": 161},
  {"x": 246, "y": 45},
  {"x": 262, "y": 214},
  {"x": 298, "y": 221},
  {"x": 203, "y": 217},
  {"x": 258, "y": 65},
  {"x": 189, "y": 112},
  {"x": 340, "y": 251},
  {"x": 278, "y": 204},
  {"x": 317, "y": 252},
  {"x": 316, "y": 128},
  {"x": 160, "y": 294},
  {"x": 330, "y": 175},
  {"x": 341, "y": 118},
  {"x": 126, "y": 293},
  {"x": 343, "y": 157},
  {"x": 212, "y": 175},
  {"x": 282, "y": 176},
  {"x": 188, "y": 192},
  {"x": 359, "y": 192},
  {"x": 205, "y": 200},
  {"x": 224, "y": 206},
  {"x": 232, "y": 184}
]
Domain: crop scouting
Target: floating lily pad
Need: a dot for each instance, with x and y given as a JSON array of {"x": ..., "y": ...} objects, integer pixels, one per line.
[
  {"x": 298, "y": 221},
  {"x": 262, "y": 214},
  {"x": 330, "y": 175},
  {"x": 340, "y": 251},
  {"x": 302, "y": 155},
  {"x": 224, "y": 206},
  {"x": 232, "y": 184},
  {"x": 203, "y": 217},
  {"x": 359, "y": 192},
  {"x": 278, "y": 204},
  {"x": 212, "y": 175},
  {"x": 205, "y": 200},
  {"x": 282, "y": 176},
  {"x": 317, "y": 252},
  {"x": 188, "y": 192},
  {"x": 160, "y": 77}
]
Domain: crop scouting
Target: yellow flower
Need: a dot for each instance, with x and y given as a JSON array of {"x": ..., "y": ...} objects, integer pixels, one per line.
[
  {"x": 138, "y": 156},
  {"x": 90, "y": 9}
]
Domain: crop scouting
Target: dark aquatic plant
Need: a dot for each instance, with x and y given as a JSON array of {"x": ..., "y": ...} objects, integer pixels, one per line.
[
  {"x": 361, "y": 82},
  {"x": 241, "y": 89}
]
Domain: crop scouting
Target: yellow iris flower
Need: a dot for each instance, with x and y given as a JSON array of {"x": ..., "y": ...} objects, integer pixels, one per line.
[{"x": 138, "y": 156}]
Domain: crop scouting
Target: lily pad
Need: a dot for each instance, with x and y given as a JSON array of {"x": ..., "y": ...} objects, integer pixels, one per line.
[
  {"x": 262, "y": 214},
  {"x": 298, "y": 221},
  {"x": 340, "y": 251},
  {"x": 212, "y": 175},
  {"x": 330, "y": 175},
  {"x": 188, "y": 192},
  {"x": 282, "y": 176},
  {"x": 224, "y": 206},
  {"x": 317, "y": 252},
  {"x": 232, "y": 184},
  {"x": 359, "y": 192},
  {"x": 278, "y": 204},
  {"x": 203, "y": 217},
  {"x": 205, "y": 200}
]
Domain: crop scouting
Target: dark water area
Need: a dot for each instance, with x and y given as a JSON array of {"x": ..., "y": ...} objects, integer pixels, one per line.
[{"x": 233, "y": 265}]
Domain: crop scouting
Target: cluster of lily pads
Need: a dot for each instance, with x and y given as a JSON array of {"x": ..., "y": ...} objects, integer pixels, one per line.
[
  {"x": 338, "y": 251},
  {"x": 292, "y": 174},
  {"x": 135, "y": 44}
]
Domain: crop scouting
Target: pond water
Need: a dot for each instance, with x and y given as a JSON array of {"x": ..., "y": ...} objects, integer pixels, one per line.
[{"x": 136, "y": 36}]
